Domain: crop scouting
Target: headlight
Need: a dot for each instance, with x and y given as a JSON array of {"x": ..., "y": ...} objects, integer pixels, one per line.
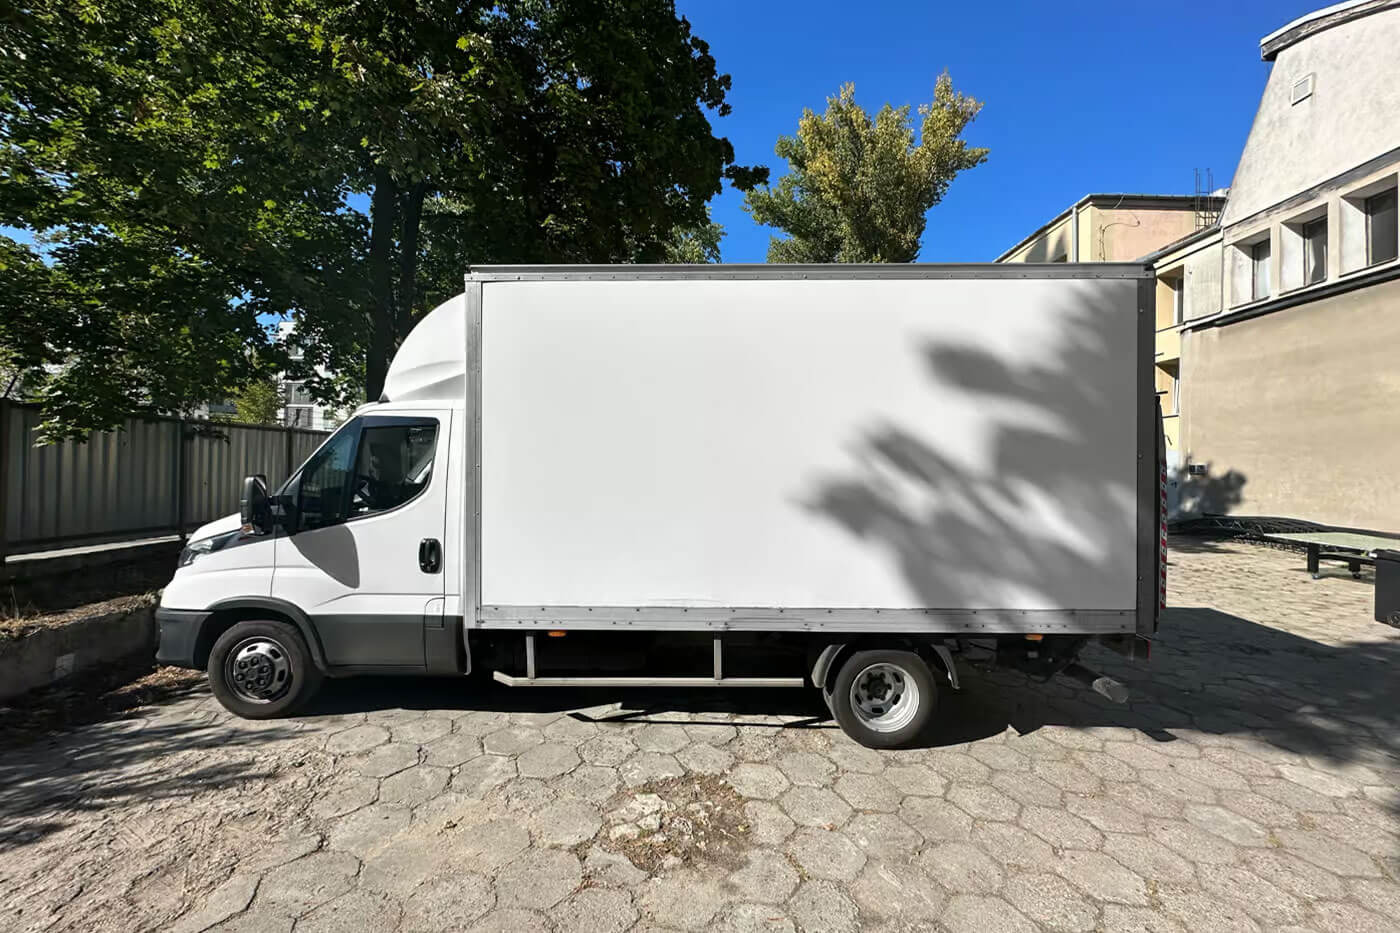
[{"x": 204, "y": 546}]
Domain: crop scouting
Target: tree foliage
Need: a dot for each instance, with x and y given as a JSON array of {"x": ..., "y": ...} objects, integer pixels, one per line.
[
  {"x": 858, "y": 188},
  {"x": 258, "y": 402},
  {"x": 695, "y": 244},
  {"x": 192, "y": 167}
]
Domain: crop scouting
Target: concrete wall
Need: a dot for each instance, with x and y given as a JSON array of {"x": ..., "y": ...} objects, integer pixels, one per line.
[
  {"x": 1122, "y": 235},
  {"x": 1303, "y": 405},
  {"x": 42, "y": 656},
  {"x": 1049, "y": 246},
  {"x": 1349, "y": 119}
]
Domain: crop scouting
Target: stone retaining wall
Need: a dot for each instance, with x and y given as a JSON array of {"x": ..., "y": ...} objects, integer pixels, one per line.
[{"x": 40, "y": 656}]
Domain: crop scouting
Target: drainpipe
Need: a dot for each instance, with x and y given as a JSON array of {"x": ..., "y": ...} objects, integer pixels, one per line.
[{"x": 1074, "y": 233}]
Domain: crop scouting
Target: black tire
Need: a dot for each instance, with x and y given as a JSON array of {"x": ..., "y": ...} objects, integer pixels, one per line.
[
  {"x": 904, "y": 675},
  {"x": 271, "y": 659}
]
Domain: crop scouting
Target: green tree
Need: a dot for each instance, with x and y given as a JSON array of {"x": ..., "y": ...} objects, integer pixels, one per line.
[
  {"x": 192, "y": 166},
  {"x": 858, "y": 189},
  {"x": 695, "y": 244},
  {"x": 258, "y": 402}
]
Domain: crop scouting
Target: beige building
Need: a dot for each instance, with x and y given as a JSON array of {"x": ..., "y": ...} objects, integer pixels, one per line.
[
  {"x": 1289, "y": 387},
  {"x": 1115, "y": 228},
  {"x": 1278, "y": 326}
]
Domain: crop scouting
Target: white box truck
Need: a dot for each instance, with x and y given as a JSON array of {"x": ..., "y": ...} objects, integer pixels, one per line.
[{"x": 713, "y": 476}]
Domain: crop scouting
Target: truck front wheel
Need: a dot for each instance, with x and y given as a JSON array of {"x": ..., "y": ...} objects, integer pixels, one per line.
[
  {"x": 884, "y": 698},
  {"x": 262, "y": 670}
]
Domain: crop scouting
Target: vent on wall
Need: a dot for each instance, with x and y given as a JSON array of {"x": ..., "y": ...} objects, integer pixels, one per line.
[{"x": 1303, "y": 88}]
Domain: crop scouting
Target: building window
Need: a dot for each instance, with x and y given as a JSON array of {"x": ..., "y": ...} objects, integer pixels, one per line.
[
  {"x": 1178, "y": 287},
  {"x": 1166, "y": 377},
  {"x": 1315, "y": 251},
  {"x": 1381, "y": 229},
  {"x": 1259, "y": 269}
]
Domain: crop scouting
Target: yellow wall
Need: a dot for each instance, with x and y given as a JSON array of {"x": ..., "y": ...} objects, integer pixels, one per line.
[
  {"x": 1304, "y": 404},
  {"x": 1053, "y": 243},
  {"x": 1121, "y": 235}
]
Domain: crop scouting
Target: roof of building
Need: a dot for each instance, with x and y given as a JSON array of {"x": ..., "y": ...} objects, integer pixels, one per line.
[
  {"x": 1318, "y": 20},
  {"x": 1202, "y": 234},
  {"x": 1179, "y": 201}
]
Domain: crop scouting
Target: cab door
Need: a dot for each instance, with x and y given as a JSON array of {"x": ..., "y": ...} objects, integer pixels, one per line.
[{"x": 360, "y": 551}]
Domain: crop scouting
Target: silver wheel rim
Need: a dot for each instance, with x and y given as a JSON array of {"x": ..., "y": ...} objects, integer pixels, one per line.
[
  {"x": 258, "y": 670},
  {"x": 884, "y": 697}
]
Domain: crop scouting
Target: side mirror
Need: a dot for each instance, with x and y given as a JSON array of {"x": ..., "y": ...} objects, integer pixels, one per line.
[{"x": 254, "y": 508}]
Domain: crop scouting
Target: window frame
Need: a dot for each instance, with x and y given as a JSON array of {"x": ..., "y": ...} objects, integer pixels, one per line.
[
  {"x": 1309, "y": 267},
  {"x": 1255, "y": 264},
  {"x": 1369, "y": 214},
  {"x": 288, "y": 496}
]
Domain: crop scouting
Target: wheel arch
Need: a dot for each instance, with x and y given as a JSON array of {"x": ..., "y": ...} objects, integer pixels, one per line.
[{"x": 229, "y": 612}]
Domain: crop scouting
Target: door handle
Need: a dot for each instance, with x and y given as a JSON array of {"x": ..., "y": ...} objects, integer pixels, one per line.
[{"x": 430, "y": 555}]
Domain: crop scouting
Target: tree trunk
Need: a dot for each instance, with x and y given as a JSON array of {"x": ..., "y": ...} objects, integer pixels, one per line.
[
  {"x": 408, "y": 259},
  {"x": 383, "y": 217}
]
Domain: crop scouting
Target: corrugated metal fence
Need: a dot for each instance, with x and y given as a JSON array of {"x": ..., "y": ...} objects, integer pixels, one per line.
[{"x": 156, "y": 476}]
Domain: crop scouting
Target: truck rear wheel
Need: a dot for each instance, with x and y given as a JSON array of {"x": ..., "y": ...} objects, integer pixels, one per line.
[
  {"x": 884, "y": 698},
  {"x": 262, "y": 670}
]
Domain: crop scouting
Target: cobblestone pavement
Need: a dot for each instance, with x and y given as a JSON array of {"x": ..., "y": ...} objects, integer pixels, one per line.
[{"x": 1250, "y": 785}]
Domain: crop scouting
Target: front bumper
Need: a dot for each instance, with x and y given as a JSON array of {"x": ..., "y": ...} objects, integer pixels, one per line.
[{"x": 179, "y": 636}]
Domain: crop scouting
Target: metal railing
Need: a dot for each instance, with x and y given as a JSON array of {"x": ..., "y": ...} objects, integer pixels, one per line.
[{"x": 155, "y": 476}]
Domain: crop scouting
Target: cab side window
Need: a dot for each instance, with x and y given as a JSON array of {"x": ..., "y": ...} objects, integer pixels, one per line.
[
  {"x": 394, "y": 464},
  {"x": 325, "y": 482}
]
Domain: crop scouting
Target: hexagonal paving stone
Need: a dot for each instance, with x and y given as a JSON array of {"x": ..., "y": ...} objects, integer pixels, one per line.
[
  {"x": 357, "y": 910},
  {"x": 711, "y": 733},
  {"x": 982, "y": 802},
  {"x": 1140, "y": 920},
  {"x": 1060, "y": 828},
  {"x": 821, "y": 907},
  {"x": 346, "y": 795},
  {"x": 806, "y": 768},
  {"x": 848, "y": 756},
  {"x": 1050, "y": 901},
  {"x": 868, "y": 792},
  {"x": 999, "y": 756},
  {"x": 1348, "y": 918},
  {"x": 649, "y": 766},
  {"x": 900, "y": 892},
  {"x": 814, "y": 806},
  {"x": 752, "y": 918},
  {"x": 1149, "y": 858},
  {"x": 1327, "y": 853},
  {"x": 1262, "y": 901},
  {"x": 538, "y": 880},
  {"x": 547, "y": 761},
  {"x": 883, "y": 836},
  {"x": 589, "y": 782},
  {"x": 757, "y": 781},
  {"x": 595, "y": 910},
  {"x": 705, "y": 759},
  {"x": 1290, "y": 873},
  {"x": 961, "y": 867},
  {"x": 1027, "y": 789},
  {"x": 368, "y": 828},
  {"x": 452, "y": 750},
  {"x": 489, "y": 845},
  {"x": 1105, "y": 815},
  {"x": 511, "y": 920},
  {"x": 480, "y": 722},
  {"x": 566, "y": 822},
  {"x": 971, "y": 914},
  {"x": 511, "y": 741},
  {"x": 918, "y": 780},
  {"x": 1011, "y": 845},
  {"x": 1191, "y": 843},
  {"x": 826, "y": 854},
  {"x": 357, "y": 739},
  {"x": 681, "y": 900},
  {"x": 385, "y": 760},
  {"x": 607, "y": 749},
  {"x": 768, "y": 824},
  {"x": 448, "y": 903},
  {"x": 1067, "y": 776},
  {"x": 480, "y": 775},
  {"x": 1240, "y": 830},
  {"x": 570, "y": 731},
  {"x": 1101, "y": 877},
  {"x": 1197, "y": 910},
  {"x": 659, "y": 737},
  {"x": 937, "y": 820},
  {"x": 766, "y": 877},
  {"x": 308, "y": 882},
  {"x": 422, "y": 731},
  {"x": 414, "y": 786}
]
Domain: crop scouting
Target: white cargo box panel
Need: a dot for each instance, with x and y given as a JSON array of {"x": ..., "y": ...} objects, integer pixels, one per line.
[{"x": 930, "y": 451}]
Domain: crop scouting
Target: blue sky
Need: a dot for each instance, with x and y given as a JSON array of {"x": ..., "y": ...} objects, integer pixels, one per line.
[{"x": 1080, "y": 97}]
